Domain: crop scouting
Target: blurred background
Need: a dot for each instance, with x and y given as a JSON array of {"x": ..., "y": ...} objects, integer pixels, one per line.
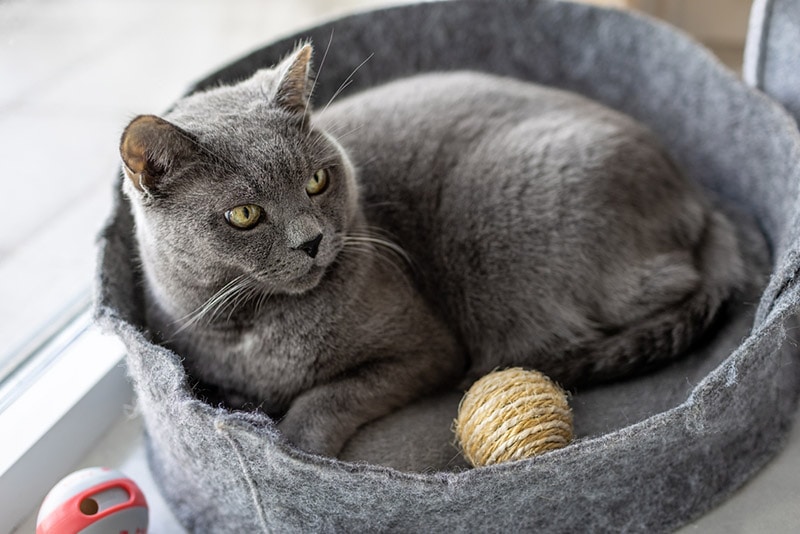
[{"x": 719, "y": 24}]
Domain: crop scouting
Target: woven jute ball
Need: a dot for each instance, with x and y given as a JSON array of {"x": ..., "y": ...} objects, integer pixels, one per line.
[{"x": 511, "y": 415}]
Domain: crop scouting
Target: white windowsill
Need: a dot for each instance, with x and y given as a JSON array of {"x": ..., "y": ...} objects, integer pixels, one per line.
[{"x": 59, "y": 417}]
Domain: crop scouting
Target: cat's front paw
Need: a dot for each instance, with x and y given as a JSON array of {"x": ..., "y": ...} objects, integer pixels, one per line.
[{"x": 310, "y": 436}]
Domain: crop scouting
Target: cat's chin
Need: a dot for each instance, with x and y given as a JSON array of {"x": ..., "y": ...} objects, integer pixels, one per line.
[{"x": 306, "y": 282}]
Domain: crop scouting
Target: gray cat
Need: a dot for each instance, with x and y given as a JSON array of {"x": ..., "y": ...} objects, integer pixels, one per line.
[{"x": 334, "y": 266}]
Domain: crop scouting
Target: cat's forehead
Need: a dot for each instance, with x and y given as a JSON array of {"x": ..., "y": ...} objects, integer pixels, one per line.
[
  {"x": 204, "y": 113},
  {"x": 243, "y": 126},
  {"x": 252, "y": 96},
  {"x": 245, "y": 130}
]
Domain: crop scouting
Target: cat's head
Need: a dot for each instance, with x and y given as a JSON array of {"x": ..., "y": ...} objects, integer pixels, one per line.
[{"x": 236, "y": 182}]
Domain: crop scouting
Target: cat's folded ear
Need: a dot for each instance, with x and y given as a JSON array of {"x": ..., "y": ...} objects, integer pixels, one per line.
[
  {"x": 293, "y": 89},
  {"x": 150, "y": 147}
]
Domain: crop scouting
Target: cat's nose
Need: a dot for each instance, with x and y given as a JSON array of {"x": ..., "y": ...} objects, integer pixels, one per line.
[{"x": 311, "y": 247}]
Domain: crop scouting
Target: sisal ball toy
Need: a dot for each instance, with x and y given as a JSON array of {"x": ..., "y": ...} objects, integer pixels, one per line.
[
  {"x": 96, "y": 500},
  {"x": 511, "y": 415}
]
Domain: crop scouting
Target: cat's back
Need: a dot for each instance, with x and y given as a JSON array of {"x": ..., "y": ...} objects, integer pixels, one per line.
[
  {"x": 463, "y": 107},
  {"x": 539, "y": 220},
  {"x": 468, "y": 160},
  {"x": 485, "y": 138}
]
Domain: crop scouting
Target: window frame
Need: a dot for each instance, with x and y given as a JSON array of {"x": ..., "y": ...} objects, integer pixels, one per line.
[{"x": 47, "y": 438}]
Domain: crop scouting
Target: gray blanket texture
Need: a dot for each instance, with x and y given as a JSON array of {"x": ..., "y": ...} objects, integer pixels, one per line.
[{"x": 652, "y": 453}]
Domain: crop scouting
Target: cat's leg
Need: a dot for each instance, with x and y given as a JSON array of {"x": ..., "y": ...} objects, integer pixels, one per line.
[{"x": 323, "y": 418}]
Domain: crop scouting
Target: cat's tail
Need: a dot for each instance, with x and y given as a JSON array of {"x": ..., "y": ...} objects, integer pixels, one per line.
[{"x": 674, "y": 329}]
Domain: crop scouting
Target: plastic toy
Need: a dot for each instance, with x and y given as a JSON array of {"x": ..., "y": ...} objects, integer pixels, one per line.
[{"x": 96, "y": 500}]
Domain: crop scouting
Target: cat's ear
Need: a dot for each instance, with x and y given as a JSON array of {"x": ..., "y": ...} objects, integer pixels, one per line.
[
  {"x": 150, "y": 147},
  {"x": 293, "y": 89}
]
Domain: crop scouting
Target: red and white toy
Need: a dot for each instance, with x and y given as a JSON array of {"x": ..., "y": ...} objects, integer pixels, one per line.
[{"x": 96, "y": 500}]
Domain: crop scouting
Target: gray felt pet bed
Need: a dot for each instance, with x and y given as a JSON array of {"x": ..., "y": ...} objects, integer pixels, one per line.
[{"x": 652, "y": 453}]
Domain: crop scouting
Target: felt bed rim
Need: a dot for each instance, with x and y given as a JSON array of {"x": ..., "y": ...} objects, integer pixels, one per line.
[{"x": 778, "y": 307}]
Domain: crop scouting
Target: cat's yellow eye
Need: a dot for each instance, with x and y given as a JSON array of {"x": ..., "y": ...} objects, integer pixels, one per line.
[
  {"x": 244, "y": 216},
  {"x": 318, "y": 183}
]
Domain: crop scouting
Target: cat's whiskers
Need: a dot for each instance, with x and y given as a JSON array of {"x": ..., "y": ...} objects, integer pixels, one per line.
[
  {"x": 368, "y": 241},
  {"x": 384, "y": 203},
  {"x": 346, "y": 82},
  {"x": 314, "y": 85},
  {"x": 366, "y": 162},
  {"x": 359, "y": 249},
  {"x": 339, "y": 136},
  {"x": 379, "y": 231},
  {"x": 349, "y": 133},
  {"x": 321, "y": 142},
  {"x": 247, "y": 292},
  {"x": 201, "y": 310},
  {"x": 243, "y": 293},
  {"x": 229, "y": 296},
  {"x": 370, "y": 252},
  {"x": 334, "y": 129},
  {"x": 262, "y": 299},
  {"x": 386, "y": 244}
]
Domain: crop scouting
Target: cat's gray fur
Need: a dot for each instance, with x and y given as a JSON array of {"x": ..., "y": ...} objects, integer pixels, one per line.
[{"x": 540, "y": 229}]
